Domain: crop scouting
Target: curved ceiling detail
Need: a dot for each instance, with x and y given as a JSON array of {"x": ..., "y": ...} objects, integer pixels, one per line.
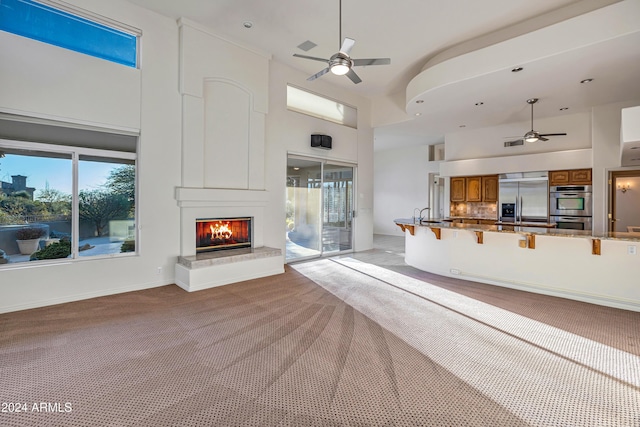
[{"x": 479, "y": 88}]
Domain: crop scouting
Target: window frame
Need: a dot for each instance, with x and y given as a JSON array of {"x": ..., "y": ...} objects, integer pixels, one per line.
[
  {"x": 72, "y": 13},
  {"x": 75, "y": 153}
]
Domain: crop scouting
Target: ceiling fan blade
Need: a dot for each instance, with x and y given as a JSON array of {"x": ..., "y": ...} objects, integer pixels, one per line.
[
  {"x": 371, "y": 61},
  {"x": 553, "y": 134},
  {"x": 542, "y": 138},
  {"x": 347, "y": 45},
  {"x": 311, "y": 57},
  {"x": 353, "y": 76},
  {"x": 318, "y": 74}
]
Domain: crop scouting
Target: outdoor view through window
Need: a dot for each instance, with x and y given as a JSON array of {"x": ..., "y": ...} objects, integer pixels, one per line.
[{"x": 37, "y": 206}]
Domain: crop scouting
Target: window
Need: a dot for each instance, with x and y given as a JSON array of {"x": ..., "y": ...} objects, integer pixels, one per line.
[
  {"x": 318, "y": 106},
  {"x": 71, "y": 29},
  {"x": 69, "y": 202}
]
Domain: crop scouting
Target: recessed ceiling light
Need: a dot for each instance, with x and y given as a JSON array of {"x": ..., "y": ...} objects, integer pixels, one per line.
[
  {"x": 479, "y": 103},
  {"x": 586, "y": 81},
  {"x": 296, "y": 169},
  {"x": 418, "y": 114},
  {"x": 419, "y": 101},
  {"x": 247, "y": 24},
  {"x": 564, "y": 108},
  {"x": 517, "y": 69}
]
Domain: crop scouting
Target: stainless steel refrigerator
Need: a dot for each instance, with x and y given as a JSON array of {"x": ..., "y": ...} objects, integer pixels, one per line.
[{"x": 524, "y": 197}]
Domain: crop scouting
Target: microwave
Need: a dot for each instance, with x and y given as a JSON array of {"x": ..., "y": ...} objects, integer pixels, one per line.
[{"x": 570, "y": 200}]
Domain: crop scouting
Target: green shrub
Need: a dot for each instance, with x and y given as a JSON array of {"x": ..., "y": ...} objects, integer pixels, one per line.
[
  {"x": 61, "y": 249},
  {"x": 128, "y": 246},
  {"x": 29, "y": 233}
]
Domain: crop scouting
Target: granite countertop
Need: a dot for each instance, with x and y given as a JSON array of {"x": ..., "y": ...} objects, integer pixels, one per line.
[
  {"x": 509, "y": 228},
  {"x": 487, "y": 218},
  {"x": 497, "y": 222}
]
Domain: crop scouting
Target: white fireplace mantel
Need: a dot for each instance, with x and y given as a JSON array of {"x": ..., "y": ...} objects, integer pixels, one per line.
[{"x": 198, "y": 197}]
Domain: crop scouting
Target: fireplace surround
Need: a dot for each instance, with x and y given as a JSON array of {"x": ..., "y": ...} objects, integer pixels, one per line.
[{"x": 202, "y": 269}]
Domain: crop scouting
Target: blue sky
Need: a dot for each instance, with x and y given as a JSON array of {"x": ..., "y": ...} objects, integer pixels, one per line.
[{"x": 55, "y": 172}]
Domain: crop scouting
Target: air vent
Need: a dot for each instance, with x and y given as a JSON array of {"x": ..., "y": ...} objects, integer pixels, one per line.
[
  {"x": 514, "y": 143},
  {"x": 307, "y": 46}
]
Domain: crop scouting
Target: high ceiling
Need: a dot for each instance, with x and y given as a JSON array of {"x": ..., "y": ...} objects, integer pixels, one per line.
[{"x": 414, "y": 32}]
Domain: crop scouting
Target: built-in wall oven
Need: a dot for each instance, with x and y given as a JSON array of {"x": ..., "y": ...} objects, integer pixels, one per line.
[
  {"x": 571, "y": 207},
  {"x": 572, "y": 222}
]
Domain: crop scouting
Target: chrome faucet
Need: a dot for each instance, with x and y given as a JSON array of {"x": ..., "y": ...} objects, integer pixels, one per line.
[
  {"x": 414, "y": 215},
  {"x": 425, "y": 209}
]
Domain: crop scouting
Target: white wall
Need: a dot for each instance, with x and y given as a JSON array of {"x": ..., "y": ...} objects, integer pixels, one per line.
[
  {"x": 289, "y": 132},
  {"x": 47, "y": 81},
  {"x": 74, "y": 96},
  {"x": 606, "y": 121},
  {"x": 401, "y": 184},
  {"x": 489, "y": 142}
]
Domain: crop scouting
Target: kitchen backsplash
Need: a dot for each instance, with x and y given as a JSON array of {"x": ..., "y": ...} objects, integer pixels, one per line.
[{"x": 474, "y": 209}]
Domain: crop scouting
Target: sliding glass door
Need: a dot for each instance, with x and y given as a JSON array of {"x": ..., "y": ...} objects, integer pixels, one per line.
[{"x": 319, "y": 208}]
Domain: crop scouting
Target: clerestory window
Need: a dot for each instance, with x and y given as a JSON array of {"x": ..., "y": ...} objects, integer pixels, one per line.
[{"x": 71, "y": 28}]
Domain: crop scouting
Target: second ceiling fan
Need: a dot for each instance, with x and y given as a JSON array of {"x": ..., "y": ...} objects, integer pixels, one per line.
[
  {"x": 341, "y": 62},
  {"x": 532, "y": 135}
]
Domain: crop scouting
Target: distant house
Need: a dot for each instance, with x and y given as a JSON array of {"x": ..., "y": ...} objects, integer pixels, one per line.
[{"x": 18, "y": 183}]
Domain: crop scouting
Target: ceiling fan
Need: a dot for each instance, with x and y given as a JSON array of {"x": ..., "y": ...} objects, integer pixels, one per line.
[
  {"x": 341, "y": 63},
  {"x": 532, "y": 135}
]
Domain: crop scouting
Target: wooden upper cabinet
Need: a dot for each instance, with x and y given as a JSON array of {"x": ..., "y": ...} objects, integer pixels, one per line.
[
  {"x": 558, "y": 177},
  {"x": 474, "y": 189},
  {"x": 490, "y": 188},
  {"x": 580, "y": 176},
  {"x": 458, "y": 189},
  {"x": 570, "y": 177}
]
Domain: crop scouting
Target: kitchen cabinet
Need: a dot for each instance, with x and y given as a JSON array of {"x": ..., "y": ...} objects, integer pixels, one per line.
[
  {"x": 580, "y": 176},
  {"x": 489, "y": 188},
  {"x": 458, "y": 189},
  {"x": 558, "y": 177},
  {"x": 570, "y": 177},
  {"x": 474, "y": 189}
]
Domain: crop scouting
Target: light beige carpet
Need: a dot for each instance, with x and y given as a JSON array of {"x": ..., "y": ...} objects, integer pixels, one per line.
[{"x": 324, "y": 344}]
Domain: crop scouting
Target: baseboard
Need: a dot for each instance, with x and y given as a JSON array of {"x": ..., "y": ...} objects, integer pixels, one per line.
[{"x": 82, "y": 296}]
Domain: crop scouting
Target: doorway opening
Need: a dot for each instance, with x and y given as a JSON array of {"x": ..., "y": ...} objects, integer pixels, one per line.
[
  {"x": 624, "y": 207},
  {"x": 436, "y": 196},
  {"x": 320, "y": 207}
]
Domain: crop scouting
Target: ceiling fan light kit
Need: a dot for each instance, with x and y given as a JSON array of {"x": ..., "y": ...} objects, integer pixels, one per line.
[
  {"x": 531, "y": 136},
  {"x": 339, "y": 64}
]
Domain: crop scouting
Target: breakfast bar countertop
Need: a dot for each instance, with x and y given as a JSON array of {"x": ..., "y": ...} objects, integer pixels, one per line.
[{"x": 528, "y": 229}]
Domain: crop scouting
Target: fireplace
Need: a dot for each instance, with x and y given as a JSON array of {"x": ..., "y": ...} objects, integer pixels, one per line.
[{"x": 214, "y": 234}]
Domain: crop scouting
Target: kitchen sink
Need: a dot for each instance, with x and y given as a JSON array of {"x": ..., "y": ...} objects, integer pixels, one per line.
[{"x": 429, "y": 221}]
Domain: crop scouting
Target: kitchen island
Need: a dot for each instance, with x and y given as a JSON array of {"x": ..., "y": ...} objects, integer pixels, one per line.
[{"x": 602, "y": 269}]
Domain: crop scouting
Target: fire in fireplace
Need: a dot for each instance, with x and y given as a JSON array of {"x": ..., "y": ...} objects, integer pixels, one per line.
[{"x": 213, "y": 234}]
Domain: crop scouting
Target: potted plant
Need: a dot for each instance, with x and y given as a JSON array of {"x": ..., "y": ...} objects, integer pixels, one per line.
[{"x": 28, "y": 239}]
